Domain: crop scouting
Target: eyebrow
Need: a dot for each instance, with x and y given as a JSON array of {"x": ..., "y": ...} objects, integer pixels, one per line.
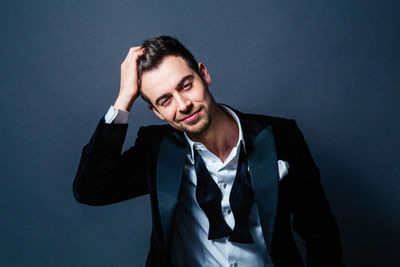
[{"x": 179, "y": 85}]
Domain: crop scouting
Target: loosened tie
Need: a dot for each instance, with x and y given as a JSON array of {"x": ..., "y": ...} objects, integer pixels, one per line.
[{"x": 209, "y": 197}]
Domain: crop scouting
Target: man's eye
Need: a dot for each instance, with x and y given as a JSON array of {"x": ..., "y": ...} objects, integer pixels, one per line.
[
  {"x": 165, "y": 102},
  {"x": 187, "y": 85}
]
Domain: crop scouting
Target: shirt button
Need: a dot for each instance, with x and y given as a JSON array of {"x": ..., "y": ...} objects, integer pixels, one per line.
[
  {"x": 228, "y": 211},
  {"x": 224, "y": 185}
]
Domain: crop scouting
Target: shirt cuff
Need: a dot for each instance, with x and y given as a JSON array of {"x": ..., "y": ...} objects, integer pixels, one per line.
[{"x": 116, "y": 116}]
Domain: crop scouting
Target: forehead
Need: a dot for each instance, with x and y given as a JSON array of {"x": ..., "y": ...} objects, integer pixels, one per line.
[{"x": 165, "y": 77}]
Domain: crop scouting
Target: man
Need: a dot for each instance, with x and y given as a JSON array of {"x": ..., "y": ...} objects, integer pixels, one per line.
[{"x": 222, "y": 184}]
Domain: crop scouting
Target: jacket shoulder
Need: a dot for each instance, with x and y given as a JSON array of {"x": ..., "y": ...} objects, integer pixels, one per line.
[
  {"x": 274, "y": 121},
  {"x": 268, "y": 118},
  {"x": 155, "y": 129}
]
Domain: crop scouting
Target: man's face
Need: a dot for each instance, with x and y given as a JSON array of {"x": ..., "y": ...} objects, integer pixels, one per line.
[{"x": 179, "y": 95}]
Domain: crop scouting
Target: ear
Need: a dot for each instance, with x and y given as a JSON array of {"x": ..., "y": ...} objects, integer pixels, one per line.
[
  {"x": 155, "y": 111},
  {"x": 204, "y": 73}
]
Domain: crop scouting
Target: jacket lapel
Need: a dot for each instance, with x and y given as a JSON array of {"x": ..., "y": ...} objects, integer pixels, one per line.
[
  {"x": 170, "y": 164},
  {"x": 263, "y": 168}
]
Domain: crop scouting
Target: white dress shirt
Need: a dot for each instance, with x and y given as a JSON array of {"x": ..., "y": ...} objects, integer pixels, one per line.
[{"x": 190, "y": 244}]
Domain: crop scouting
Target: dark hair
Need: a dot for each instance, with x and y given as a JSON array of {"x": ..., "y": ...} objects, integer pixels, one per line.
[{"x": 156, "y": 49}]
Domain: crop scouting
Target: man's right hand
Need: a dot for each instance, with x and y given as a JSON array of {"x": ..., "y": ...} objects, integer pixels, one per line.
[{"x": 129, "y": 90}]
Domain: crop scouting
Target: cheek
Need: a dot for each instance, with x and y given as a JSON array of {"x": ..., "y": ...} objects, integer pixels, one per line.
[
  {"x": 206, "y": 96},
  {"x": 169, "y": 113},
  {"x": 197, "y": 97},
  {"x": 200, "y": 95}
]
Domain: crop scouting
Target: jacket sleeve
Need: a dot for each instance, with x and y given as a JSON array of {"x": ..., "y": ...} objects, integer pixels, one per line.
[
  {"x": 312, "y": 216},
  {"x": 106, "y": 176}
]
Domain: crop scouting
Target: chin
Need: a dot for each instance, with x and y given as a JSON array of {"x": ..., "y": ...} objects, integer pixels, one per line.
[{"x": 198, "y": 128}]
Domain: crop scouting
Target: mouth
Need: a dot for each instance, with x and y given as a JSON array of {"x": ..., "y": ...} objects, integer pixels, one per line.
[{"x": 191, "y": 117}]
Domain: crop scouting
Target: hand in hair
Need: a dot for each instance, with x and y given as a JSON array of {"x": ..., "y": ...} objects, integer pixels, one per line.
[{"x": 129, "y": 90}]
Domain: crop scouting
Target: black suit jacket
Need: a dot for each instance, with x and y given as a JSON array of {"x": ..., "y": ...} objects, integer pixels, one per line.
[{"x": 155, "y": 164}]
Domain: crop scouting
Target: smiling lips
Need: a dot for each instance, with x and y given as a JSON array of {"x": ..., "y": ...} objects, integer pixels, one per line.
[{"x": 191, "y": 117}]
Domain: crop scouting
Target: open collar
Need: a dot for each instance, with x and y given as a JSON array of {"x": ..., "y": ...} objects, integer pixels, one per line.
[{"x": 193, "y": 145}]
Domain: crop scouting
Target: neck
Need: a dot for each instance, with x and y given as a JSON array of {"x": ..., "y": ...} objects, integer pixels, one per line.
[{"x": 222, "y": 134}]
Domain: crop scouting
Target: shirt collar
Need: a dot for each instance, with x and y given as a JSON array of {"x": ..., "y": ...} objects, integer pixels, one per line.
[{"x": 199, "y": 145}]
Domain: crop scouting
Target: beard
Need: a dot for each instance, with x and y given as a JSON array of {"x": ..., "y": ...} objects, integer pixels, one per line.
[{"x": 198, "y": 127}]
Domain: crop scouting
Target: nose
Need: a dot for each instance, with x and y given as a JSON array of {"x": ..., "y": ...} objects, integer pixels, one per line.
[{"x": 184, "y": 104}]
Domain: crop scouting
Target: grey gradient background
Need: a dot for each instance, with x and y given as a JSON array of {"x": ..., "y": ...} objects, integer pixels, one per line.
[{"x": 331, "y": 65}]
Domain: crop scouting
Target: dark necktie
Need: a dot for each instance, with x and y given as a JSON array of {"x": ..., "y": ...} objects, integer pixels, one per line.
[{"x": 209, "y": 197}]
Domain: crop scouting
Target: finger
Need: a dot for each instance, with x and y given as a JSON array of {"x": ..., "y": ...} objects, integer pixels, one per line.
[
  {"x": 136, "y": 51},
  {"x": 131, "y": 52},
  {"x": 139, "y": 49},
  {"x": 135, "y": 56}
]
